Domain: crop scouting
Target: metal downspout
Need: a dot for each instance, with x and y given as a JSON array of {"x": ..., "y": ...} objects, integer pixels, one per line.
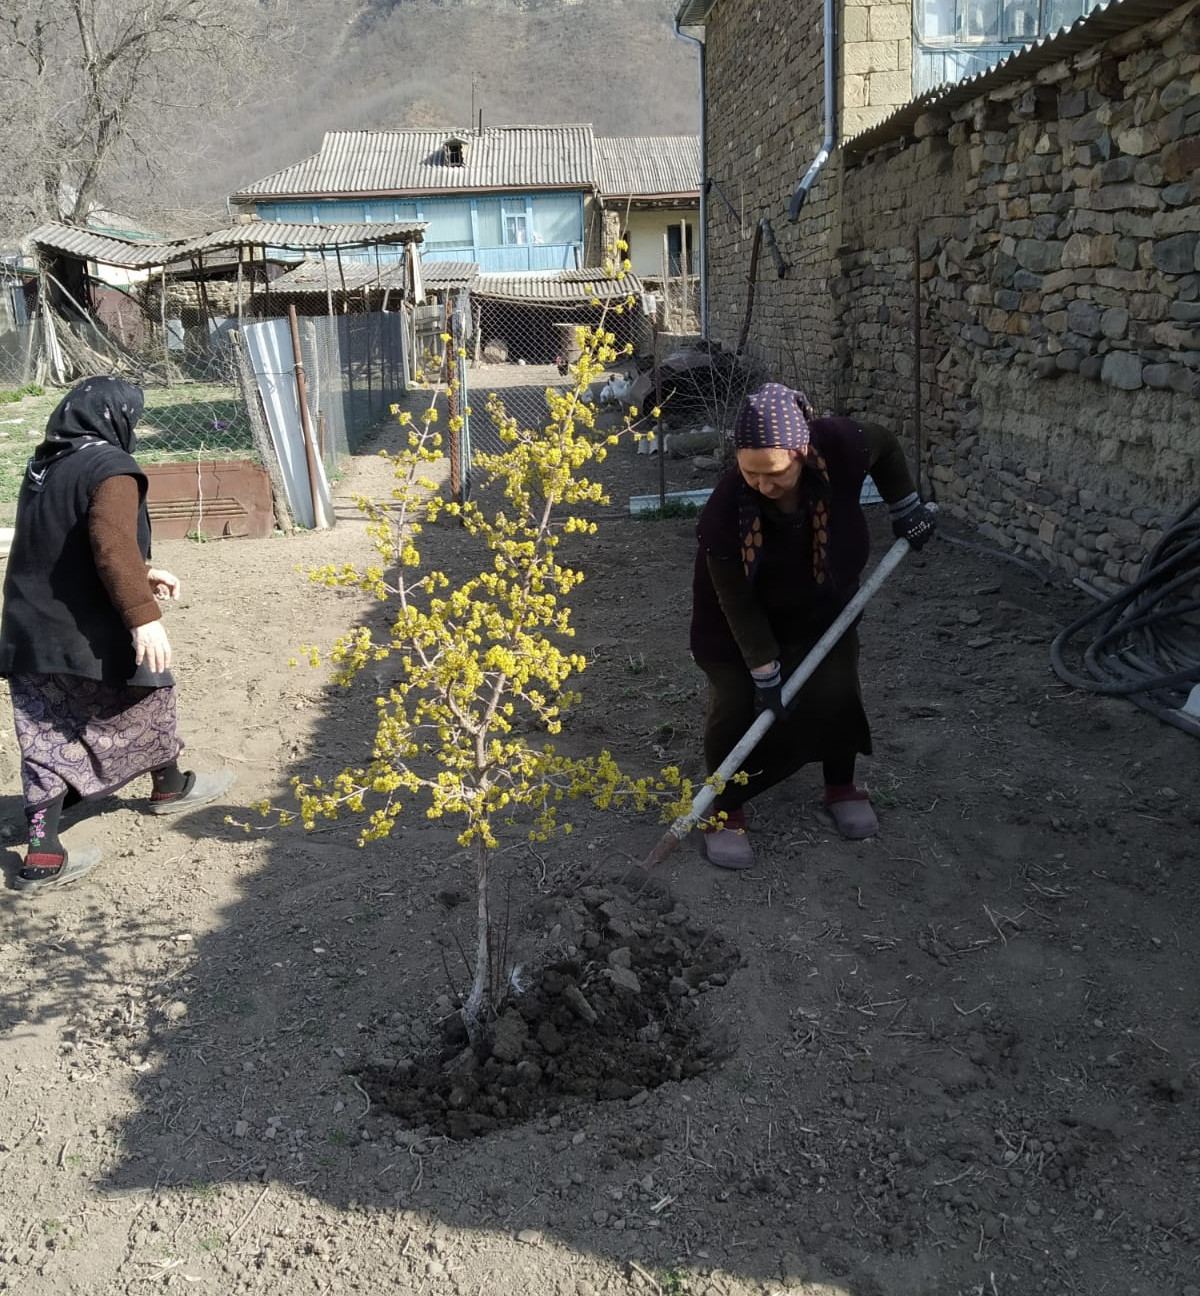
[
  {"x": 699, "y": 44},
  {"x": 810, "y": 176}
]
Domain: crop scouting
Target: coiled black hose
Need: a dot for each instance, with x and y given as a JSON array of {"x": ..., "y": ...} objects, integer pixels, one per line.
[{"x": 1146, "y": 641}]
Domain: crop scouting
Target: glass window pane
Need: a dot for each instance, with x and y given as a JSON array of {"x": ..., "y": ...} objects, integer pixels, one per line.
[
  {"x": 937, "y": 20},
  {"x": 1020, "y": 20},
  {"x": 487, "y": 222},
  {"x": 981, "y": 19},
  {"x": 449, "y": 223},
  {"x": 1062, "y": 13},
  {"x": 515, "y": 230},
  {"x": 557, "y": 218}
]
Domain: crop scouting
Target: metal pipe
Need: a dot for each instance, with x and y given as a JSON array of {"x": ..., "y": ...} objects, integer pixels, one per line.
[
  {"x": 810, "y": 176},
  {"x": 699, "y": 44}
]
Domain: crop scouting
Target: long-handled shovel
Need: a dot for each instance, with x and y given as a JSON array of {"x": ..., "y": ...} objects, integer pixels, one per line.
[{"x": 753, "y": 736}]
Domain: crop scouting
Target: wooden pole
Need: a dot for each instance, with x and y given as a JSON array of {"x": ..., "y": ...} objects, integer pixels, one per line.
[
  {"x": 658, "y": 432},
  {"x": 162, "y": 317},
  {"x": 320, "y": 523},
  {"x": 451, "y": 363},
  {"x": 666, "y": 278}
]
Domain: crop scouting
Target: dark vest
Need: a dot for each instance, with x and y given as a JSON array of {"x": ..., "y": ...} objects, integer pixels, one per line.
[{"x": 58, "y": 617}]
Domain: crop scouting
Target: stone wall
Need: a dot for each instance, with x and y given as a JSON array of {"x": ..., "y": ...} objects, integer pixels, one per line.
[
  {"x": 764, "y": 126},
  {"x": 876, "y": 61},
  {"x": 1056, "y": 224}
]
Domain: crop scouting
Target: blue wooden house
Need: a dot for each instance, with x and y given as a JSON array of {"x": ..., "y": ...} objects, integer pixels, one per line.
[{"x": 508, "y": 198}]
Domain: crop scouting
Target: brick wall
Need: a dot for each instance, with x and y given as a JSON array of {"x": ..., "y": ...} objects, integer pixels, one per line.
[
  {"x": 765, "y": 125},
  {"x": 1056, "y": 222}
]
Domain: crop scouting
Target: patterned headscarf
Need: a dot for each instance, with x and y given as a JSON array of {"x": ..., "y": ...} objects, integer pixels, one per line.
[
  {"x": 774, "y": 418},
  {"x": 101, "y": 409}
]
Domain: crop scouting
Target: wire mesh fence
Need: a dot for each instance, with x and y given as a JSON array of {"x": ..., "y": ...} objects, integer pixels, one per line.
[
  {"x": 201, "y": 399},
  {"x": 355, "y": 366}
]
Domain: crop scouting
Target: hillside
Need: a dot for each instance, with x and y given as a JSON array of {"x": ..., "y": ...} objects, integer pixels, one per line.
[{"x": 397, "y": 63}]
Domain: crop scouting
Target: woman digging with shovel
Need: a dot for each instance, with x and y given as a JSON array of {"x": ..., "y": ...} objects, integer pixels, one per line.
[{"x": 783, "y": 543}]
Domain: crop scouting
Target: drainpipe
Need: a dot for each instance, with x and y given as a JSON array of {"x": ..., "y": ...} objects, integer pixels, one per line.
[
  {"x": 810, "y": 176},
  {"x": 699, "y": 44}
]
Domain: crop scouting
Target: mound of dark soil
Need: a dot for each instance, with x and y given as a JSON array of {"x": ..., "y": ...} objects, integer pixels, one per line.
[{"x": 609, "y": 1015}]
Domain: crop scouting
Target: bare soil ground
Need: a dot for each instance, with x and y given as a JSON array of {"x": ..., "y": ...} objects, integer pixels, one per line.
[{"x": 961, "y": 1058}]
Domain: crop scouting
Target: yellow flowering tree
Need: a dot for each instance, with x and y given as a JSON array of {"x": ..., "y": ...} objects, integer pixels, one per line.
[{"x": 483, "y": 665}]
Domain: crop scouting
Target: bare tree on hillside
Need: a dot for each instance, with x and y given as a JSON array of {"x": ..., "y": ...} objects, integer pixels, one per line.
[{"x": 91, "y": 89}]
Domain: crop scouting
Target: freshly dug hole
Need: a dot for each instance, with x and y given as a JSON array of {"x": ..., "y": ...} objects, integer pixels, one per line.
[{"x": 609, "y": 1013}]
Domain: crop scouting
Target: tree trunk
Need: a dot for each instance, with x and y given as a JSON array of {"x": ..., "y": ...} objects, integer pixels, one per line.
[{"x": 479, "y": 999}]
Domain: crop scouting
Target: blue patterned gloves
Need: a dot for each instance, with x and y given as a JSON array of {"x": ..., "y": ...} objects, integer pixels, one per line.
[
  {"x": 912, "y": 520},
  {"x": 768, "y": 690}
]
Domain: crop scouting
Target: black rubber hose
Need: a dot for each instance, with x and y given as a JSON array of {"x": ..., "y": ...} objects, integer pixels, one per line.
[{"x": 1147, "y": 644}]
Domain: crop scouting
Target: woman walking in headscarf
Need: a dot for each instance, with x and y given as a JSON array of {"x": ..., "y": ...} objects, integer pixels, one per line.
[
  {"x": 783, "y": 541},
  {"x": 81, "y": 640}
]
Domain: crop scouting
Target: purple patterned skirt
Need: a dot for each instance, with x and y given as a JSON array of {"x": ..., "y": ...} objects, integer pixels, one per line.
[{"x": 78, "y": 733}]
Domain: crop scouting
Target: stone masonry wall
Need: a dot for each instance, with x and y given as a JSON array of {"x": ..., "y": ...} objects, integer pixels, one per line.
[
  {"x": 876, "y": 61},
  {"x": 1058, "y": 227},
  {"x": 1057, "y": 221}
]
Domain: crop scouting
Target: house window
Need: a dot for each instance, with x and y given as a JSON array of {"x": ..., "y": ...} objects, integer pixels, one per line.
[
  {"x": 449, "y": 223},
  {"x": 516, "y": 228},
  {"x": 959, "y": 38},
  {"x": 557, "y": 218},
  {"x": 454, "y": 152}
]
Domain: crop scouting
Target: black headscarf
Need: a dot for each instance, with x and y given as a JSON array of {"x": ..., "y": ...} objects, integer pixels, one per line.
[{"x": 102, "y": 409}]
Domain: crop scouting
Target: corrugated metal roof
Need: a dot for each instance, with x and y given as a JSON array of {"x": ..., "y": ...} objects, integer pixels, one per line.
[
  {"x": 563, "y": 288},
  {"x": 694, "y": 13},
  {"x": 283, "y": 234},
  {"x": 411, "y": 162},
  {"x": 648, "y": 166},
  {"x": 1102, "y": 24},
  {"x": 135, "y": 254},
  {"x": 315, "y": 274},
  {"x": 442, "y": 273},
  {"x": 90, "y": 246}
]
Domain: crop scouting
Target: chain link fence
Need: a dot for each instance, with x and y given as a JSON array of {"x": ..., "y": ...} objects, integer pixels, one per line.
[{"x": 181, "y": 343}]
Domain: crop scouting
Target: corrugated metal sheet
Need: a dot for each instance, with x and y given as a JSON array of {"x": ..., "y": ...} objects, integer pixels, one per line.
[
  {"x": 694, "y": 13},
  {"x": 411, "y": 162},
  {"x": 1112, "y": 19},
  {"x": 442, "y": 274},
  {"x": 315, "y": 274},
  {"x": 111, "y": 249},
  {"x": 567, "y": 287},
  {"x": 283, "y": 234},
  {"x": 648, "y": 166},
  {"x": 135, "y": 254}
]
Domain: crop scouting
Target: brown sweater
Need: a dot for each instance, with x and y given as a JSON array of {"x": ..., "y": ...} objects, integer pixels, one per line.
[{"x": 112, "y": 529}]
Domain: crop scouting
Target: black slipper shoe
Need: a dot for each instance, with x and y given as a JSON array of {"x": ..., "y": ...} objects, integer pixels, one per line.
[
  {"x": 199, "y": 790},
  {"x": 75, "y": 864}
]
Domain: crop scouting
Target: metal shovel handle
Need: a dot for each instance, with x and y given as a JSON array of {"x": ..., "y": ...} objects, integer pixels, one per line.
[{"x": 798, "y": 678}]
